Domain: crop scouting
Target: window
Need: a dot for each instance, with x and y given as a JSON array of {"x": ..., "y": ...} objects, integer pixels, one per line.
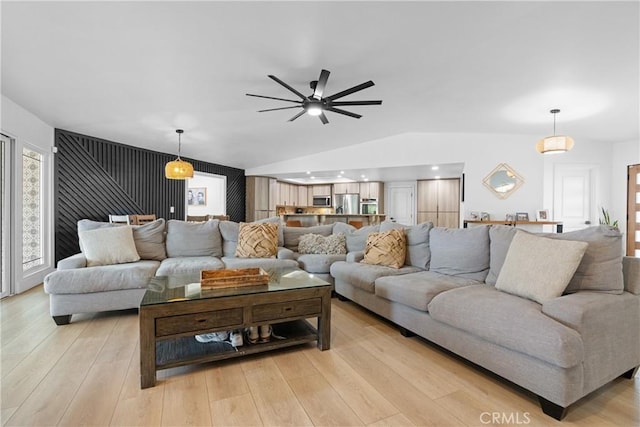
[{"x": 32, "y": 213}]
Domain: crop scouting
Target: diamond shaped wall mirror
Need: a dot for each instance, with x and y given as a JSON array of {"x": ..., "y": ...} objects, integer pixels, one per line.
[{"x": 503, "y": 181}]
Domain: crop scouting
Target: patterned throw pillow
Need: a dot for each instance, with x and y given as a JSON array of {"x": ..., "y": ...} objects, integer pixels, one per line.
[
  {"x": 335, "y": 244},
  {"x": 257, "y": 240},
  {"x": 387, "y": 248}
]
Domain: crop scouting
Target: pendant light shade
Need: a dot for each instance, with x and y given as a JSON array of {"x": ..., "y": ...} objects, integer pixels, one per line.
[
  {"x": 556, "y": 143},
  {"x": 178, "y": 168}
]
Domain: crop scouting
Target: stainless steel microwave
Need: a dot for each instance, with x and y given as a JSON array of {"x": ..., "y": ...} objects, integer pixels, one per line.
[{"x": 323, "y": 201}]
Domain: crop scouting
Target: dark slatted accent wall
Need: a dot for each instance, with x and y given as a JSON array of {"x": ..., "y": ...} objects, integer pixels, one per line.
[{"x": 95, "y": 178}]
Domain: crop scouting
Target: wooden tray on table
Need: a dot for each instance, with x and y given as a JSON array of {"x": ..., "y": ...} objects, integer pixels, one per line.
[{"x": 214, "y": 279}]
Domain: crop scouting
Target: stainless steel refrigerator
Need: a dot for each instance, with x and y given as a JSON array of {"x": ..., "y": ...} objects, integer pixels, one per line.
[{"x": 347, "y": 204}]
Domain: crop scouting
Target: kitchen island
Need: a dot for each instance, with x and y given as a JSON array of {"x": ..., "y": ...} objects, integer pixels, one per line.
[{"x": 311, "y": 219}]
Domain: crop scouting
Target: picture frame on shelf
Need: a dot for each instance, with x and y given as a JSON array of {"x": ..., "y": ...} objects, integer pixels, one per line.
[
  {"x": 474, "y": 215},
  {"x": 542, "y": 215},
  {"x": 510, "y": 217},
  {"x": 522, "y": 216},
  {"x": 484, "y": 216}
]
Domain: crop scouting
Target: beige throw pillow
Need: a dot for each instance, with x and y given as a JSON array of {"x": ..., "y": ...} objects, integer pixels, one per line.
[
  {"x": 386, "y": 248},
  {"x": 539, "y": 268},
  {"x": 336, "y": 244},
  {"x": 106, "y": 246},
  {"x": 257, "y": 240}
]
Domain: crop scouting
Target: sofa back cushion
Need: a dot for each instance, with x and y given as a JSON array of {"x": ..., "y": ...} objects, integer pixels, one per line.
[
  {"x": 292, "y": 234},
  {"x": 418, "y": 251},
  {"x": 108, "y": 246},
  {"x": 193, "y": 238},
  {"x": 460, "y": 251},
  {"x": 500, "y": 237},
  {"x": 356, "y": 237},
  {"x": 601, "y": 267},
  {"x": 539, "y": 268}
]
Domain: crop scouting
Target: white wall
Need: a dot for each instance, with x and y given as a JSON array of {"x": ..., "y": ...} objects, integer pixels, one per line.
[
  {"x": 216, "y": 189},
  {"x": 29, "y": 131},
  {"x": 480, "y": 153}
]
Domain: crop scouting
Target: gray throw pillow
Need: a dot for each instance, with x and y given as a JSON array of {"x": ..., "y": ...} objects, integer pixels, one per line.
[
  {"x": 601, "y": 267},
  {"x": 193, "y": 238},
  {"x": 460, "y": 252},
  {"x": 149, "y": 239},
  {"x": 229, "y": 231},
  {"x": 418, "y": 251},
  {"x": 356, "y": 237}
]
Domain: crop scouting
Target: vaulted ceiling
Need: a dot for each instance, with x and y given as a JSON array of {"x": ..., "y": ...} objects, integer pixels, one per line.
[{"x": 133, "y": 72}]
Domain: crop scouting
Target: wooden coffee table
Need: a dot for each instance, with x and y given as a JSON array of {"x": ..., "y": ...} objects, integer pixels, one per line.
[{"x": 175, "y": 309}]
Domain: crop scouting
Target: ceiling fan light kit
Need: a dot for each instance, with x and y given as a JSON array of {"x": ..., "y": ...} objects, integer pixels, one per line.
[
  {"x": 315, "y": 104},
  {"x": 556, "y": 143},
  {"x": 178, "y": 168}
]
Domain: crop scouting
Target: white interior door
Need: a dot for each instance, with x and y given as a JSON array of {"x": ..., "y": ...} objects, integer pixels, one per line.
[
  {"x": 400, "y": 202},
  {"x": 573, "y": 196}
]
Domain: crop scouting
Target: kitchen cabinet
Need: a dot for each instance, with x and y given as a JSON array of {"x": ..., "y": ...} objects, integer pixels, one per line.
[
  {"x": 303, "y": 196},
  {"x": 346, "y": 188},
  {"x": 259, "y": 201},
  {"x": 371, "y": 190},
  {"x": 321, "y": 190},
  {"x": 438, "y": 201}
]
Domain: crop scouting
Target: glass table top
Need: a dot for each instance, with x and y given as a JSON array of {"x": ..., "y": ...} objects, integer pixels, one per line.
[{"x": 184, "y": 287}]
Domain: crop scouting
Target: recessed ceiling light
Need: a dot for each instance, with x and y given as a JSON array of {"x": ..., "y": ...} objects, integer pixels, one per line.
[
  {"x": 361, "y": 176},
  {"x": 339, "y": 176},
  {"x": 341, "y": 172},
  {"x": 437, "y": 176},
  {"x": 308, "y": 172},
  {"x": 435, "y": 168},
  {"x": 366, "y": 179},
  {"x": 313, "y": 177}
]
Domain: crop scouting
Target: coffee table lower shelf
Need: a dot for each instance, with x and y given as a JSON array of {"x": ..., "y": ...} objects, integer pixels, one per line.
[{"x": 181, "y": 351}]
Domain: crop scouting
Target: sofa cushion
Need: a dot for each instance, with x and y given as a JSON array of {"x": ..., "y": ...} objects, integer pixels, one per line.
[
  {"x": 418, "y": 251},
  {"x": 188, "y": 265},
  {"x": 106, "y": 246},
  {"x": 149, "y": 239},
  {"x": 318, "y": 263},
  {"x": 193, "y": 238},
  {"x": 388, "y": 248},
  {"x": 500, "y": 237},
  {"x": 460, "y": 251},
  {"x": 356, "y": 237},
  {"x": 257, "y": 240},
  {"x": 292, "y": 235},
  {"x": 334, "y": 244},
  {"x": 601, "y": 266},
  {"x": 418, "y": 289},
  {"x": 539, "y": 268},
  {"x": 135, "y": 275},
  {"x": 363, "y": 276},
  {"x": 509, "y": 321}
]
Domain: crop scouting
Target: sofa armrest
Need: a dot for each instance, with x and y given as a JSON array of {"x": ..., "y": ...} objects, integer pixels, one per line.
[
  {"x": 608, "y": 326},
  {"x": 74, "y": 261},
  {"x": 355, "y": 256},
  {"x": 284, "y": 253},
  {"x": 631, "y": 272}
]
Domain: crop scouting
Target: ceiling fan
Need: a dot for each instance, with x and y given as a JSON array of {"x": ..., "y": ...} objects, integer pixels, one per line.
[{"x": 315, "y": 104}]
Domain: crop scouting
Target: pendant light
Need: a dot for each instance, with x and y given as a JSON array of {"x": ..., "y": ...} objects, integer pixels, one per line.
[
  {"x": 556, "y": 143},
  {"x": 178, "y": 169}
]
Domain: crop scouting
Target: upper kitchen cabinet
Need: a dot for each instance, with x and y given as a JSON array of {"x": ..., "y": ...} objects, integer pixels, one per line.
[
  {"x": 321, "y": 190},
  {"x": 346, "y": 188},
  {"x": 371, "y": 190}
]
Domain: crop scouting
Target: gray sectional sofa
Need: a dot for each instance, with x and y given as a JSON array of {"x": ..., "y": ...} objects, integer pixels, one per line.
[{"x": 450, "y": 291}]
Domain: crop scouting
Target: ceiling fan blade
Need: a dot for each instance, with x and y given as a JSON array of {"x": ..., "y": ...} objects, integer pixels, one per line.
[
  {"x": 281, "y": 108},
  {"x": 350, "y": 91},
  {"x": 273, "y": 97},
  {"x": 272, "y": 77},
  {"x": 322, "y": 82},
  {"x": 323, "y": 118},
  {"x": 355, "y": 103},
  {"x": 346, "y": 113},
  {"x": 297, "y": 115}
]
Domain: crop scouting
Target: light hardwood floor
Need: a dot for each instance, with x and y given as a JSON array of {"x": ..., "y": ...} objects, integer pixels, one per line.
[{"x": 87, "y": 373}]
